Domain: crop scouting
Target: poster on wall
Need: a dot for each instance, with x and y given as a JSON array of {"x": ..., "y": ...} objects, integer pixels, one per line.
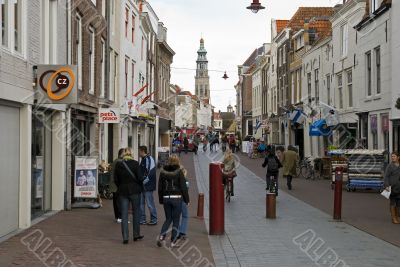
[
  {"x": 39, "y": 177},
  {"x": 85, "y": 182}
]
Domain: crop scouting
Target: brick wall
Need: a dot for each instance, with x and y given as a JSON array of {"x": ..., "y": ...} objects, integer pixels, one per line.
[{"x": 91, "y": 16}]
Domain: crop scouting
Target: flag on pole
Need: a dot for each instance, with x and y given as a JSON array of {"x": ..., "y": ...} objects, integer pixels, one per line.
[
  {"x": 297, "y": 116},
  {"x": 258, "y": 125}
]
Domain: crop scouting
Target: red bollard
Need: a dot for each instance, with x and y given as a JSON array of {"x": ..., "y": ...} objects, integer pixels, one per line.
[
  {"x": 200, "y": 206},
  {"x": 217, "y": 213},
  {"x": 271, "y": 205},
  {"x": 337, "y": 208}
]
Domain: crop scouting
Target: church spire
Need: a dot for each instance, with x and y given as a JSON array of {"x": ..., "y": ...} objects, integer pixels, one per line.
[{"x": 202, "y": 80}]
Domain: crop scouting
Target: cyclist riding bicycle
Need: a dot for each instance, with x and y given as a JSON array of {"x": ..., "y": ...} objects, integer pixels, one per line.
[
  {"x": 273, "y": 163},
  {"x": 229, "y": 170}
]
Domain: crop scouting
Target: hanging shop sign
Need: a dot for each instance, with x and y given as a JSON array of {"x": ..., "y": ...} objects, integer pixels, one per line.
[
  {"x": 320, "y": 128},
  {"x": 56, "y": 84},
  {"x": 374, "y": 123},
  {"x": 85, "y": 182},
  {"x": 109, "y": 115},
  {"x": 385, "y": 123}
]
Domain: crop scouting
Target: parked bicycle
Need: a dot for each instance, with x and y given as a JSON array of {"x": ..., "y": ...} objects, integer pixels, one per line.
[
  {"x": 307, "y": 170},
  {"x": 273, "y": 185}
]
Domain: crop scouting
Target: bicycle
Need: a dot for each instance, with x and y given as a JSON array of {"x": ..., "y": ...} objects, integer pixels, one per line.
[
  {"x": 228, "y": 188},
  {"x": 307, "y": 170},
  {"x": 105, "y": 192},
  {"x": 273, "y": 185}
]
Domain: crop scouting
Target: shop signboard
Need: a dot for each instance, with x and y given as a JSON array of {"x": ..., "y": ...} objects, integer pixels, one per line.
[
  {"x": 56, "y": 84},
  {"x": 85, "y": 182},
  {"x": 109, "y": 115}
]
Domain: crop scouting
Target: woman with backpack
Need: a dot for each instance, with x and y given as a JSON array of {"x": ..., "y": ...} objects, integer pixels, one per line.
[
  {"x": 172, "y": 190},
  {"x": 273, "y": 163}
]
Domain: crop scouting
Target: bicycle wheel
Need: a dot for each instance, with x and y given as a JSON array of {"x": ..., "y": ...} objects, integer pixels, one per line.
[{"x": 305, "y": 172}]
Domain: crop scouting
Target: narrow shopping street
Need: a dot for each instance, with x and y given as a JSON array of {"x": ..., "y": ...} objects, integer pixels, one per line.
[{"x": 91, "y": 238}]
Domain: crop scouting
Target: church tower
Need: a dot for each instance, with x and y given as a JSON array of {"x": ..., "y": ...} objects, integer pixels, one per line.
[{"x": 202, "y": 80}]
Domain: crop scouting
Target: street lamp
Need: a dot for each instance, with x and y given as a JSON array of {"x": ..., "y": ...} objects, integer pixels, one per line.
[
  {"x": 225, "y": 76},
  {"x": 255, "y": 6}
]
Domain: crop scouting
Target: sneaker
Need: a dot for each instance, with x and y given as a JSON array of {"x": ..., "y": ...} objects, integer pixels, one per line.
[
  {"x": 175, "y": 244},
  {"x": 138, "y": 238},
  {"x": 161, "y": 242},
  {"x": 119, "y": 220},
  {"x": 125, "y": 242},
  {"x": 152, "y": 223},
  {"x": 143, "y": 223}
]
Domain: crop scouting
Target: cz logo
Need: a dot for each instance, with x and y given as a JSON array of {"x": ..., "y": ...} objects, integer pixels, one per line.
[{"x": 62, "y": 82}]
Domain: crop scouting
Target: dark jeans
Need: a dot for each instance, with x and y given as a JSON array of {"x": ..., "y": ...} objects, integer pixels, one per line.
[
  {"x": 134, "y": 200},
  {"x": 117, "y": 211},
  {"x": 232, "y": 147},
  {"x": 173, "y": 210},
  {"x": 395, "y": 200},
  {"x": 269, "y": 178},
  {"x": 289, "y": 181}
]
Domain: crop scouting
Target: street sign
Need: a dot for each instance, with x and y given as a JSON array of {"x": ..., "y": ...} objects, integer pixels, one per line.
[{"x": 56, "y": 84}]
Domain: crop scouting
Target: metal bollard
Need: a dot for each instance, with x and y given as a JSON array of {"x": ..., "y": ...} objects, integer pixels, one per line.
[
  {"x": 200, "y": 206},
  {"x": 337, "y": 207},
  {"x": 271, "y": 205},
  {"x": 217, "y": 204}
]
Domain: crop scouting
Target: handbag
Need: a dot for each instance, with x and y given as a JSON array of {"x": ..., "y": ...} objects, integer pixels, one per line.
[{"x": 386, "y": 193}]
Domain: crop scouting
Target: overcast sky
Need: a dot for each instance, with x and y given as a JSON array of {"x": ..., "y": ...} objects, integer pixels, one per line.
[{"x": 231, "y": 33}]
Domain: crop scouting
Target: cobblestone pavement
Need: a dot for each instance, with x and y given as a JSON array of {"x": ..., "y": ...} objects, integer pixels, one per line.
[
  {"x": 300, "y": 236},
  {"x": 366, "y": 210},
  {"x": 92, "y": 238}
]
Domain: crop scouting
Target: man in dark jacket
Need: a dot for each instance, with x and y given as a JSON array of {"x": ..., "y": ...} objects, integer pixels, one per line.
[
  {"x": 148, "y": 168},
  {"x": 273, "y": 163},
  {"x": 129, "y": 180}
]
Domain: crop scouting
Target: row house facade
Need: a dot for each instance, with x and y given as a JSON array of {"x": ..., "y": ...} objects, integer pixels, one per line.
[
  {"x": 113, "y": 48},
  {"x": 33, "y": 156}
]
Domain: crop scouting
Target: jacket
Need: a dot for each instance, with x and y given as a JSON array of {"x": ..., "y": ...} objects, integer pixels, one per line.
[
  {"x": 113, "y": 186},
  {"x": 128, "y": 185},
  {"x": 148, "y": 168},
  {"x": 266, "y": 164},
  {"x": 289, "y": 163},
  {"x": 172, "y": 182},
  {"x": 392, "y": 178},
  {"x": 229, "y": 166}
]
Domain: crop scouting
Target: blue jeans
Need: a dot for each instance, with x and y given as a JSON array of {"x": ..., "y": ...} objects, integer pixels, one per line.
[
  {"x": 134, "y": 200},
  {"x": 148, "y": 199},
  {"x": 185, "y": 219},
  {"x": 173, "y": 210}
]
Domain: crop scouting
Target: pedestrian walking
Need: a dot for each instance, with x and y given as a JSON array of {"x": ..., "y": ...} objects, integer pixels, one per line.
[
  {"x": 186, "y": 144},
  {"x": 129, "y": 181},
  {"x": 148, "y": 168},
  {"x": 229, "y": 170},
  {"x": 273, "y": 163},
  {"x": 289, "y": 162},
  {"x": 172, "y": 190},
  {"x": 114, "y": 188},
  {"x": 392, "y": 184},
  {"x": 232, "y": 143},
  {"x": 185, "y": 213}
]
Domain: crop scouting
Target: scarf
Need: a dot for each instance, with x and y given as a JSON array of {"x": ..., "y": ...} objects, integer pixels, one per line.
[{"x": 128, "y": 158}]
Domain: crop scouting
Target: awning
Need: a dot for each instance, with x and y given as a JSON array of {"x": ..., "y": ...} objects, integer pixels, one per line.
[{"x": 319, "y": 128}]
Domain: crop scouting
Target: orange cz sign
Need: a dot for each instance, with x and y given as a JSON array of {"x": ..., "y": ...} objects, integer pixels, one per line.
[{"x": 58, "y": 82}]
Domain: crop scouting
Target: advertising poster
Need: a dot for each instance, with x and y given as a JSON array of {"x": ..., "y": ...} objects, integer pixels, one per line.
[
  {"x": 39, "y": 177},
  {"x": 85, "y": 182}
]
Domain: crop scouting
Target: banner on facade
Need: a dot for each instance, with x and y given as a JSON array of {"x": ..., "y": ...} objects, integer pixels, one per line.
[
  {"x": 385, "y": 123},
  {"x": 374, "y": 123},
  {"x": 109, "y": 115},
  {"x": 56, "y": 84},
  {"x": 85, "y": 182}
]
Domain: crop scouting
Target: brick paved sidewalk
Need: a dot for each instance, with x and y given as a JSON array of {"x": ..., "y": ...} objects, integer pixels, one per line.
[
  {"x": 92, "y": 238},
  {"x": 301, "y": 236}
]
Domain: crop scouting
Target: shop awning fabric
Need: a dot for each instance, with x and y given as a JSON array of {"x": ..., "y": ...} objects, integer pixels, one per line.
[{"x": 319, "y": 128}]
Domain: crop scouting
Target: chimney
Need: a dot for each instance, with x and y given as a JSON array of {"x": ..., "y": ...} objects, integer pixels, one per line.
[{"x": 306, "y": 32}]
